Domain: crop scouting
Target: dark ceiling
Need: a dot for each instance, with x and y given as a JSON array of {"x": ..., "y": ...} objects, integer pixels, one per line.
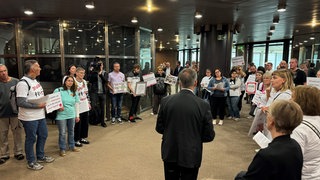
[{"x": 253, "y": 18}]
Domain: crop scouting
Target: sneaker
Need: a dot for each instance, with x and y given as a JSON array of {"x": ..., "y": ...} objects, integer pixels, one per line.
[
  {"x": 214, "y": 122},
  {"x": 249, "y": 117},
  {"x": 119, "y": 121},
  {"x": 45, "y": 159},
  {"x": 236, "y": 119},
  {"x": 34, "y": 166},
  {"x": 221, "y": 122},
  {"x": 113, "y": 120},
  {"x": 75, "y": 150},
  {"x": 131, "y": 119},
  {"x": 78, "y": 144},
  {"x": 230, "y": 117},
  {"x": 152, "y": 113},
  {"x": 62, "y": 153},
  {"x": 104, "y": 125},
  {"x": 84, "y": 141}
]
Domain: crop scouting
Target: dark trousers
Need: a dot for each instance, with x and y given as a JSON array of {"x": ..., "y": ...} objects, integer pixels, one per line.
[
  {"x": 156, "y": 102},
  {"x": 134, "y": 105},
  {"x": 172, "y": 171},
  {"x": 240, "y": 100},
  {"x": 97, "y": 104},
  {"x": 218, "y": 107},
  {"x": 81, "y": 128}
]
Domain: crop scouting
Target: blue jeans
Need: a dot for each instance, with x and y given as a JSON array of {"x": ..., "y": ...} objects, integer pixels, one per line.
[
  {"x": 36, "y": 132},
  {"x": 232, "y": 102},
  {"x": 116, "y": 104},
  {"x": 62, "y": 126}
]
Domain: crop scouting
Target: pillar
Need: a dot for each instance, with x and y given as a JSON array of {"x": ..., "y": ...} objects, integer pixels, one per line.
[{"x": 215, "y": 49}]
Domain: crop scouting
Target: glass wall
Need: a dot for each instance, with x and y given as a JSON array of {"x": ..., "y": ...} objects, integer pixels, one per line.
[
  {"x": 275, "y": 53},
  {"x": 259, "y": 53}
]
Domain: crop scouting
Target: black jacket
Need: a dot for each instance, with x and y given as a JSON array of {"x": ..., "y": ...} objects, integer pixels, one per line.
[
  {"x": 282, "y": 159},
  {"x": 185, "y": 121},
  {"x": 93, "y": 81}
]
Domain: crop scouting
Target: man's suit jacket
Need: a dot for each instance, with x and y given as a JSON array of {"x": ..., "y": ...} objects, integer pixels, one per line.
[
  {"x": 177, "y": 71},
  {"x": 185, "y": 121},
  {"x": 282, "y": 159}
]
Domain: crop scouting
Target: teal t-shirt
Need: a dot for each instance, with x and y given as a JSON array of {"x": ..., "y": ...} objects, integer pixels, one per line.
[{"x": 69, "y": 100}]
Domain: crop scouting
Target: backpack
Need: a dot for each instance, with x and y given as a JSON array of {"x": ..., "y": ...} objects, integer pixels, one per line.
[
  {"x": 160, "y": 87},
  {"x": 13, "y": 96}
]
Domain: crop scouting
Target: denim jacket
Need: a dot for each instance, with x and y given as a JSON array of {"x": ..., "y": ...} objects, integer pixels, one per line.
[{"x": 226, "y": 85}]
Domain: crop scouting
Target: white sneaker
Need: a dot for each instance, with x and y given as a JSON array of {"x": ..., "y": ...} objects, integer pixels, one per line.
[
  {"x": 214, "y": 122},
  {"x": 119, "y": 121},
  {"x": 113, "y": 120},
  {"x": 152, "y": 113},
  {"x": 236, "y": 119},
  {"x": 221, "y": 122},
  {"x": 249, "y": 117},
  {"x": 230, "y": 117}
]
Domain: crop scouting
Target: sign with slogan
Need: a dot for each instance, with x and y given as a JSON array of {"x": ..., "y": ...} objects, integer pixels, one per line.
[
  {"x": 313, "y": 81},
  {"x": 171, "y": 79},
  {"x": 150, "y": 79},
  {"x": 120, "y": 87},
  {"x": 54, "y": 102},
  {"x": 251, "y": 87},
  {"x": 237, "y": 61}
]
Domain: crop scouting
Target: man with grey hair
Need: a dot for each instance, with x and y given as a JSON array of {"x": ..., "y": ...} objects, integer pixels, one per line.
[
  {"x": 32, "y": 116},
  {"x": 185, "y": 122},
  {"x": 8, "y": 118}
]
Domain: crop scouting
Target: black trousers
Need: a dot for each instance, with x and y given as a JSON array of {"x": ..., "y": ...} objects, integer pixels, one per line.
[
  {"x": 134, "y": 105},
  {"x": 172, "y": 171},
  {"x": 218, "y": 106},
  {"x": 98, "y": 102},
  {"x": 81, "y": 128},
  {"x": 240, "y": 100},
  {"x": 156, "y": 102}
]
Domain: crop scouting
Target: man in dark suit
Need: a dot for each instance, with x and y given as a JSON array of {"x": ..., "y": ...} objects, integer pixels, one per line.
[
  {"x": 178, "y": 69},
  {"x": 185, "y": 121}
]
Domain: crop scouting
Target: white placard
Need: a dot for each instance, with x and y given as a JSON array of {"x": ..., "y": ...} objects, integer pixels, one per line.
[
  {"x": 261, "y": 140},
  {"x": 141, "y": 88},
  {"x": 54, "y": 102},
  {"x": 251, "y": 78},
  {"x": 120, "y": 87},
  {"x": 313, "y": 81},
  {"x": 84, "y": 106},
  {"x": 237, "y": 61},
  {"x": 257, "y": 98},
  {"x": 205, "y": 82},
  {"x": 171, "y": 79},
  {"x": 251, "y": 87},
  {"x": 133, "y": 81},
  {"x": 150, "y": 79},
  {"x": 220, "y": 85}
]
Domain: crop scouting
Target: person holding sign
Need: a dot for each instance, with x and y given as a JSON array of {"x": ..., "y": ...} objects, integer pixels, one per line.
[
  {"x": 68, "y": 114},
  {"x": 133, "y": 77},
  {"x": 282, "y": 159},
  {"x": 219, "y": 86},
  {"x": 32, "y": 116},
  {"x": 116, "y": 98},
  {"x": 160, "y": 90},
  {"x": 82, "y": 127}
]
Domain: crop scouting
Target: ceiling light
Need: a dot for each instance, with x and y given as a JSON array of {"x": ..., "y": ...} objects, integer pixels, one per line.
[
  {"x": 269, "y": 34},
  {"x": 198, "y": 15},
  {"x": 282, "y": 6},
  {"x": 188, "y": 38},
  {"x": 134, "y": 20},
  {"x": 89, "y": 4},
  {"x": 160, "y": 29},
  {"x": 305, "y": 41},
  {"x": 28, "y": 12},
  {"x": 272, "y": 28},
  {"x": 176, "y": 34},
  {"x": 275, "y": 20},
  {"x": 197, "y": 41},
  {"x": 80, "y": 30},
  {"x": 312, "y": 38}
]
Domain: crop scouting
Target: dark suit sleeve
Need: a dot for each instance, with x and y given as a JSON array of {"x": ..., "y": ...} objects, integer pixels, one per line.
[
  {"x": 258, "y": 169},
  {"x": 160, "y": 119},
  {"x": 208, "y": 133}
]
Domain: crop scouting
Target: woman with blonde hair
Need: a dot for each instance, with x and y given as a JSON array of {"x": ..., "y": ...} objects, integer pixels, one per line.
[
  {"x": 307, "y": 134},
  {"x": 282, "y": 86}
]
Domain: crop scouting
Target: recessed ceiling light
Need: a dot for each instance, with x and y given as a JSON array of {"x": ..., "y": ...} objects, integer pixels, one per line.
[
  {"x": 134, "y": 20},
  {"x": 198, "y": 15},
  {"x": 305, "y": 41},
  {"x": 80, "y": 30},
  {"x": 282, "y": 7},
  {"x": 160, "y": 29},
  {"x": 312, "y": 38},
  {"x": 89, "y": 4},
  {"x": 28, "y": 12},
  {"x": 272, "y": 28}
]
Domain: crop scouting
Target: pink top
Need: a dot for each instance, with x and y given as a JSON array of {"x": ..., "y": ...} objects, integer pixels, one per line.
[{"x": 116, "y": 77}]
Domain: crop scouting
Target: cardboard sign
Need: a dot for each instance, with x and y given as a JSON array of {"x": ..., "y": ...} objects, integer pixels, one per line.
[
  {"x": 237, "y": 61},
  {"x": 150, "y": 79},
  {"x": 171, "y": 79},
  {"x": 251, "y": 87},
  {"x": 120, "y": 87},
  {"x": 54, "y": 102}
]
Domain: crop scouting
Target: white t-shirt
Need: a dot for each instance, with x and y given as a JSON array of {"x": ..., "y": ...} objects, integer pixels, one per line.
[
  {"x": 82, "y": 90},
  {"x": 35, "y": 92}
]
